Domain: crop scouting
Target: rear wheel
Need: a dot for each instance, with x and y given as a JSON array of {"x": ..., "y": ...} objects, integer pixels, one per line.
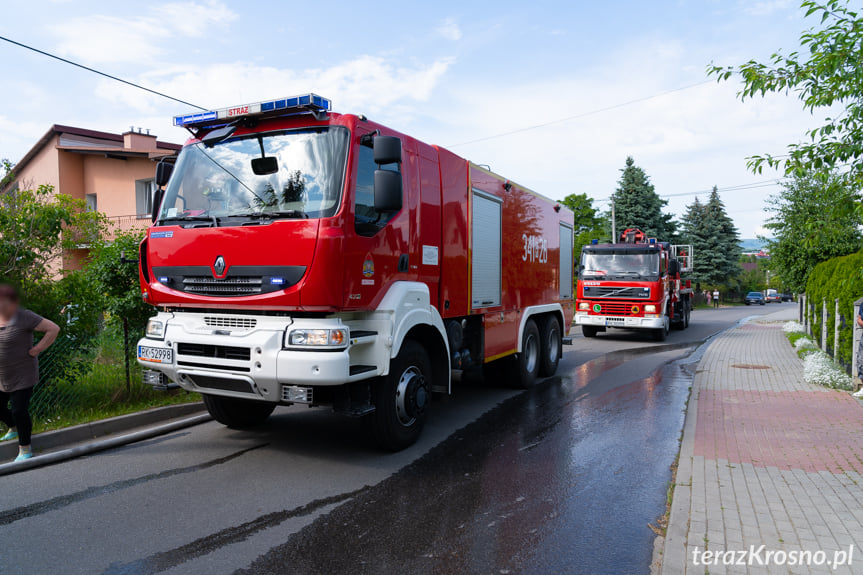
[
  {"x": 552, "y": 342},
  {"x": 402, "y": 398},
  {"x": 238, "y": 413},
  {"x": 686, "y": 313},
  {"x": 528, "y": 360},
  {"x": 589, "y": 330}
]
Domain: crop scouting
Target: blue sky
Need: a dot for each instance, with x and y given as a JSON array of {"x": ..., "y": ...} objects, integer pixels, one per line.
[{"x": 445, "y": 72}]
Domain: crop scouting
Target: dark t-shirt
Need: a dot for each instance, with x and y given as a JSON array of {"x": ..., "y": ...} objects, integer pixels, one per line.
[{"x": 17, "y": 369}]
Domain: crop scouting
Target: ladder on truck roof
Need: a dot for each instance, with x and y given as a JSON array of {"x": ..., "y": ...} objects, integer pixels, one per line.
[{"x": 683, "y": 253}]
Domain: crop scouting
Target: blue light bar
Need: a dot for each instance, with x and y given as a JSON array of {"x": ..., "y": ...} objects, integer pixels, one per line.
[
  {"x": 277, "y": 281},
  {"x": 308, "y": 102},
  {"x": 164, "y": 279},
  {"x": 594, "y": 242},
  {"x": 652, "y": 240}
]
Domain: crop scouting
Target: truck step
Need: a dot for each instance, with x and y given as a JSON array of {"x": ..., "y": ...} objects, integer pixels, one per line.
[
  {"x": 567, "y": 340},
  {"x": 358, "y": 369}
]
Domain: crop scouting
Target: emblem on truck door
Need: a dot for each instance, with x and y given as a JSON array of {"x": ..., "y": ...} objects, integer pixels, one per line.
[{"x": 219, "y": 266}]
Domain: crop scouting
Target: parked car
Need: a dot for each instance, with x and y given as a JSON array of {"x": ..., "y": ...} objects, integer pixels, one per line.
[
  {"x": 788, "y": 297},
  {"x": 773, "y": 298},
  {"x": 755, "y": 297}
]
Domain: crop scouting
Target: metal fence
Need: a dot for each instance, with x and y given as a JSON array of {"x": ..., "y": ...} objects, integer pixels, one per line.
[{"x": 831, "y": 330}]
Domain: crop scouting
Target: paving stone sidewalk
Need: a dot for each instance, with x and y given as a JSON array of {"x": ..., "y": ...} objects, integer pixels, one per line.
[{"x": 766, "y": 459}]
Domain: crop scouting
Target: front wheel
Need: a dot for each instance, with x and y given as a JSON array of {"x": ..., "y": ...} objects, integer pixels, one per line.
[
  {"x": 661, "y": 333},
  {"x": 402, "y": 398},
  {"x": 238, "y": 413}
]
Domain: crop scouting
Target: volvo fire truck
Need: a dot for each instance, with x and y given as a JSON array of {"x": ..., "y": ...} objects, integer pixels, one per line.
[
  {"x": 300, "y": 256},
  {"x": 634, "y": 284}
]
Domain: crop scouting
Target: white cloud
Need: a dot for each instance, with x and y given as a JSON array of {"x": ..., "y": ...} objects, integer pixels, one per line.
[
  {"x": 112, "y": 39},
  {"x": 366, "y": 84},
  {"x": 449, "y": 29},
  {"x": 765, "y": 7}
]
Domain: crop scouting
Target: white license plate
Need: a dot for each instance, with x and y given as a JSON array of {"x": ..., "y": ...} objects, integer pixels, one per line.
[{"x": 156, "y": 354}]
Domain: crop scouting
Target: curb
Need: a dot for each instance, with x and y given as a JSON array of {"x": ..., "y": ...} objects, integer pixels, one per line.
[
  {"x": 101, "y": 445},
  {"x": 100, "y": 428}
]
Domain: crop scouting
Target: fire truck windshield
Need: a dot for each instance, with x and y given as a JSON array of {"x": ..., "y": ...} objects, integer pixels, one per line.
[
  {"x": 619, "y": 264},
  {"x": 219, "y": 183}
]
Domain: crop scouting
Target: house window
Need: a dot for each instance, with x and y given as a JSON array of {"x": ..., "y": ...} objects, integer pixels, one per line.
[
  {"x": 91, "y": 202},
  {"x": 144, "y": 192}
]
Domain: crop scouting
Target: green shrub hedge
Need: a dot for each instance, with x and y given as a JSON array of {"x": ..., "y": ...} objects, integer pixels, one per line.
[{"x": 841, "y": 278}]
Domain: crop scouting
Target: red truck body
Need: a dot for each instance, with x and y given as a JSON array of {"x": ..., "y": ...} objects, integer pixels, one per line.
[
  {"x": 467, "y": 266},
  {"x": 634, "y": 284}
]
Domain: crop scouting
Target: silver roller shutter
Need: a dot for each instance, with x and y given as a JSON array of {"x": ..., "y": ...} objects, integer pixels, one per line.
[
  {"x": 486, "y": 251},
  {"x": 565, "y": 262}
]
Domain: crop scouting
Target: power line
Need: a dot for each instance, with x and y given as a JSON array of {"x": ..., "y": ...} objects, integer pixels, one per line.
[
  {"x": 582, "y": 115},
  {"x": 736, "y": 188},
  {"x": 115, "y": 78}
]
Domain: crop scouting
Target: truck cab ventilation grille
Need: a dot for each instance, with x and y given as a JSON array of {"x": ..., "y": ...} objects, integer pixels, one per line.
[
  {"x": 617, "y": 292},
  {"x": 238, "y": 281},
  {"x": 227, "y": 287}
]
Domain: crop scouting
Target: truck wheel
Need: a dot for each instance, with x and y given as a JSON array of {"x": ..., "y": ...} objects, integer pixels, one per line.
[
  {"x": 661, "y": 333},
  {"x": 551, "y": 347},
  {"x": 238, "y": 413},
  {"x": 686, "y": 313},
  {"x": 589, "y": 330},
  {"x": 528, "y": 360},
  {"x": 402, "y": 398}
]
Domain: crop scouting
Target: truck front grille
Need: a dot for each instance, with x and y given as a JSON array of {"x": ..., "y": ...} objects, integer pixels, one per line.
[
  {"x": 220, "y": 383},
  {"x": 619, "y": 308},
  {"x": 236, "y": 286},
  {"x": 616, "y": 292},
  {"x": 231, "y": 321},
  {"x": 214, "y": 351}
]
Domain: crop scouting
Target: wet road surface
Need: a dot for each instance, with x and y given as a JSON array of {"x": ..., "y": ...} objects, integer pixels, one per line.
[{"x": 564, "y": 478}]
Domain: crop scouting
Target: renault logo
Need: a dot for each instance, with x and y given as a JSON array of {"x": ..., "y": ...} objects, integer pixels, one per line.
[{"x": 219, "y": 266}]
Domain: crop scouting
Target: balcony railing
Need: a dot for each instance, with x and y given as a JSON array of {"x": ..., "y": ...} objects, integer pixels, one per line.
[{"x": 117, "y": 224}]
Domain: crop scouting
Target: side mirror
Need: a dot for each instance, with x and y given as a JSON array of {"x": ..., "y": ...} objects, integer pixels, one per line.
[
  {"x": 265, "y": 166},
  {"x": 673, "y": 267},
  {"x": 388, "y": 150},
  {"x": 388, "y": 191},
  {"x": 163, "y": 173},
  {"x": 158, "y": 196}
]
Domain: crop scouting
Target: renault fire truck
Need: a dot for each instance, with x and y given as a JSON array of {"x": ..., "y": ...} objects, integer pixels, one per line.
[
  {"x": 300, "y": 256},
  {"x": 634, "y": 284}
]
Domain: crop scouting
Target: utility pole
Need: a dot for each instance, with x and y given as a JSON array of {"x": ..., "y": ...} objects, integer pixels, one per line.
[{"x": 613, "y": 223}]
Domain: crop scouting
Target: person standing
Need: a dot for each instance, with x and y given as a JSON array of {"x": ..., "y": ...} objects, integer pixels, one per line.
[
  {"x": 19, "y": 366},
  {"x": 715, "y": 298},
  {"x": 707, "y": 296}
]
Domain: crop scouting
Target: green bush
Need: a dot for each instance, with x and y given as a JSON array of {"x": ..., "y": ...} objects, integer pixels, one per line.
[{"x": 836, "y": 278}]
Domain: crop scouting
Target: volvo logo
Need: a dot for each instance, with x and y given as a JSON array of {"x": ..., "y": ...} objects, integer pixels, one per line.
[{"x": 219, "y": 266}]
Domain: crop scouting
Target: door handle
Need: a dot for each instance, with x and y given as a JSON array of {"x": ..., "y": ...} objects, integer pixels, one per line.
[{"x": 403, "y": 263}]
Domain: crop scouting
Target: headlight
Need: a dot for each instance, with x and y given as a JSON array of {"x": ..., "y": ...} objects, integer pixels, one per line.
[
  {"x": 318, "y": 337},
  {"x": 583, "y": 306},
  {"x": 155, "y": 329},
  {"x": 650, "y": 308}
]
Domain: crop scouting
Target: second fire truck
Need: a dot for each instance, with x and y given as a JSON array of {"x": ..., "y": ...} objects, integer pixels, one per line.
[{"x": 634, "y": 284}]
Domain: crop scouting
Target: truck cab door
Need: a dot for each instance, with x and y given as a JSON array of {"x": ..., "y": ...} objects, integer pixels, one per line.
[{"x": 377, "y": 247}]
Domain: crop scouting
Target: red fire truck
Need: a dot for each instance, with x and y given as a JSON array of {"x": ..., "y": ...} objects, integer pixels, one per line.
[
  {"x": 299, "y": 256},
  {"x": 634, "y": 284}
]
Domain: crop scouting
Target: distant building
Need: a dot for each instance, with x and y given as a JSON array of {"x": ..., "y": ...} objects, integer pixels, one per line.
[{"x": 113, "y": 173}]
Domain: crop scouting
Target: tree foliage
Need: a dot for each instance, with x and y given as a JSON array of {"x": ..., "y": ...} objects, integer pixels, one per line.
[
  {"x": 715, "y": 241},
  {"x": 117, "y": 282},
  {"x": 636, "y": 204},
  {"x": 824, "y": 72},
  {"x": 811, "y": 224},
  {"x": 589, "y": 221}
]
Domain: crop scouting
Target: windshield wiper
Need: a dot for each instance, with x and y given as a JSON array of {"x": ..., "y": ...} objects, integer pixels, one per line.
[
  {"x": 212, "y": 219},
  {"x": 274, "y": 214}
]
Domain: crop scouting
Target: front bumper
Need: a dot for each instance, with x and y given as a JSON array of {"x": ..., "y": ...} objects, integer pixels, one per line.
[
  {"x": 620, "y": 321},
  {"x": 249, "y": 362}
]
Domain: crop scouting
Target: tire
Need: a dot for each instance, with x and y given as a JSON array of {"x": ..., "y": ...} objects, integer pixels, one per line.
[
  {"x": 589, "y": 330},
  {"x": 402, "y": 398},
  {"x": 529, "y": 359},
  {"x": 551, "y": 346},
  {"x": 687, "y": 311},
  {"x": 238, "y": 413},
  {"x": 661, "y": 333}
]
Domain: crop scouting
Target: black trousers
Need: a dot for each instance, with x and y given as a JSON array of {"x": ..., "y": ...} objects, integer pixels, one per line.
[{"x": 14, "y": 412}]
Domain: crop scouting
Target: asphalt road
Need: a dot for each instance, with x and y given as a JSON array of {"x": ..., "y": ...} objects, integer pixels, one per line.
[{"x": 564, "y": 478}]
